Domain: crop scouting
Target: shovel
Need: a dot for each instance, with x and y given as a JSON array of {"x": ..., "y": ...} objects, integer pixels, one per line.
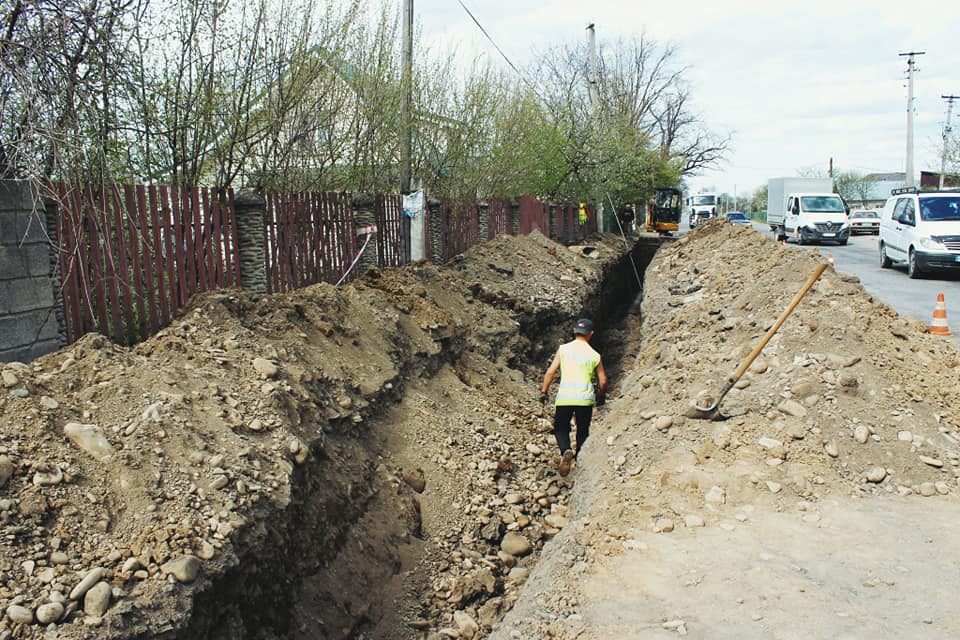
[{"x": 712, "y": 412}]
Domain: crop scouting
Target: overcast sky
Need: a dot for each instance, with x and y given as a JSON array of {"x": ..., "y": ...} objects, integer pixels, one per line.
[{"x": 795, "y": 83}]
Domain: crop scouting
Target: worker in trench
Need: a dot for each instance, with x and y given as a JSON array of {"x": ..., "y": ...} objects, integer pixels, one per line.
[{"x": 577, "y": 363}]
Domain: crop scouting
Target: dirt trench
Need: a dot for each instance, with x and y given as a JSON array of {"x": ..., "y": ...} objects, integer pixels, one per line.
[
  {"x": 368, "y": 461},
  {"x": 371, "y": 525}
]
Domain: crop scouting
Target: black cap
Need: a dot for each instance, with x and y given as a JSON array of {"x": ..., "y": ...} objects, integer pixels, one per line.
[{"x": 583, "y": 327}]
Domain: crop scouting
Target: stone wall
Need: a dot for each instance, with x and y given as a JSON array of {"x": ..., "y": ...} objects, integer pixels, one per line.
[{"x": 29, "y": 313}]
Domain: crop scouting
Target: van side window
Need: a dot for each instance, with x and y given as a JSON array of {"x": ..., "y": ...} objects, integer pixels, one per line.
[
  {"x": 899, "y": 208},
  {"x": 789, "y": 205}
]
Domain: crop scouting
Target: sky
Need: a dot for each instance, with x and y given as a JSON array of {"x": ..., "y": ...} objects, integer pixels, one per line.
[{"x": 795, "y": 84}]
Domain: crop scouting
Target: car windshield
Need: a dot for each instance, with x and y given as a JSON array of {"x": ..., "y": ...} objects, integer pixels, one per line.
[
  {"x": 704, "y": 199},
  {"x": 940, "y": 209},
  {"x": 864, "y": 214},
  {"x": 736, "y": 216},
  {"x": 822, "y": 204}
]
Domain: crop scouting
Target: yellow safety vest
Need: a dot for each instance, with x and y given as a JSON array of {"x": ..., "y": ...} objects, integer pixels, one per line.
[{"x": 578, "y": 362}]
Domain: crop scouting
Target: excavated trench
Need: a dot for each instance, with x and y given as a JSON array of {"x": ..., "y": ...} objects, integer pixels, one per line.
[{"x": 357, "y": 546}]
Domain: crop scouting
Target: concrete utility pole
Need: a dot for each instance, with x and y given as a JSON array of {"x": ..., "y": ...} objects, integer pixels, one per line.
[
  {"x": 594, "y": 88},
  {"x": 406, "y": 118},
  {"x": 406, "y": 91},
  {"x": 946, "y": 137},
  {"x": 910, "y": 68}
]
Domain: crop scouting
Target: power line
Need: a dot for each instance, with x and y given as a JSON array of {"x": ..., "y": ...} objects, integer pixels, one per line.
[{"x": 499, "y": 50}]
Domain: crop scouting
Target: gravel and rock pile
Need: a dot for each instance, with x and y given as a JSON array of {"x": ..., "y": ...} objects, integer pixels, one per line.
[
  {"x": 847, "y": 401},
  {"x": 366, "y": 461}
]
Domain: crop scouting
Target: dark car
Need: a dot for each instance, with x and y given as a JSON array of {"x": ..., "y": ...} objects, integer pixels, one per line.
[
  {"x": 736, "y": 217},
  {"x": 864, "y": 221}
]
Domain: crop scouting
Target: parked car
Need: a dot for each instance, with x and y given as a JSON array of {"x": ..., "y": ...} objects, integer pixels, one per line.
[
  {"x": 737, "y": 217},
  {"x": 864, "y": 221},
  {"x": 921, "y": 229}
]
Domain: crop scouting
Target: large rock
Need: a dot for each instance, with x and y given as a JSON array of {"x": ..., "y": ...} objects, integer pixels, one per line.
[
  {"x": 97, "y": 600},
  {"x": 184, "y": 569},
  {"x": 90, "y": 438},
  {"x": 50, "y": 612},
  {"x": 515, "y": 544},
  {"x": 467, "y": 626},
  {"x": 19, "y": 615}
]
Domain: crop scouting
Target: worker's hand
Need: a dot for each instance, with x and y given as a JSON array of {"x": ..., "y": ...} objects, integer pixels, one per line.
[
  {"x": 601, "y": 398},
  {"x": 544, "y": 398}
]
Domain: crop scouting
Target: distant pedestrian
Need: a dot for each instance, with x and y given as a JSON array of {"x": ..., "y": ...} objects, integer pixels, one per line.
[
  {"x": 577, "y": 363},
  {"x": 627, "y": 216}
]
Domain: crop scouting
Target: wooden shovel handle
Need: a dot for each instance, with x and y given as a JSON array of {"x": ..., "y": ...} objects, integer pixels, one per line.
[{"x": 783, "y": 316}]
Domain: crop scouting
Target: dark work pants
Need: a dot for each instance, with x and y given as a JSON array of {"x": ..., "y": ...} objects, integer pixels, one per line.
[{"x": 561, "y": 426}]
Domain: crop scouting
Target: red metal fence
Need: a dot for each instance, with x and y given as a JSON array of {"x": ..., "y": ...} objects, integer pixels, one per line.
[
  {"x": 308, "y": 238},
  {"x": 131, "y": 256}
]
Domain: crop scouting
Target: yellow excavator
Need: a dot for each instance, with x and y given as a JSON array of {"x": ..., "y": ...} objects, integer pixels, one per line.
[{"x": 663, "y": 212}]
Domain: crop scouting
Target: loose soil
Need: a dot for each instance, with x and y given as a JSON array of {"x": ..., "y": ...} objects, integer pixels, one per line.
[
  {"x": 330, "y": 463},
  {"x": 371, "y": 462},
  {"x": 820, "y": 507}
]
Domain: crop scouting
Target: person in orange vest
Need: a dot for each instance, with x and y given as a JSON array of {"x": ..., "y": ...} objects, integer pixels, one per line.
[{"x": 577, "y": 363}]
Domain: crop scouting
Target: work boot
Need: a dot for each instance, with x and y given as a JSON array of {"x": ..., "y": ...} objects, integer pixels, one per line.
[{"x": 563, "y": 468}]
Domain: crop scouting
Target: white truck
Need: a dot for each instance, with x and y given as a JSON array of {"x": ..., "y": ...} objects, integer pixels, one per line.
[
  {"x": 703, "y": 206},
  {"x": 807, "y": 210}
]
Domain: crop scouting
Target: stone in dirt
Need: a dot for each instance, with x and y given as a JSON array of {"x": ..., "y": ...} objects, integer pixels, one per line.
[
  {"x": 19, "y": 614},
  {"x": 793, "y": 408},
  {"x": 663, "y": 525},
  {"x": 416, "y": 479},
  {"x": 515, "y": 544},
  {"x": 50, "y": 612},
  {"x": 97, "y": 599},
  {"x": 861, "y": 434},
  {"x": 876, "y": 474},
  {"x": 185, "y": 568},
  {"x": 91, "y": 578},
  {"x": 933, "y": 462},
  {"x": 716, "y": 495},
  {"x": 928, "y": 489},
  {"x": 6, "y": 470},
  {"x": 90, "y": 438},
  {"x": 663, "y": 423},
  {"x": 266, "y": 368},
  {"x": 466, "y": 625},
  {"x": 692, "y": 520},
  {"x": 831, "y": 448}
]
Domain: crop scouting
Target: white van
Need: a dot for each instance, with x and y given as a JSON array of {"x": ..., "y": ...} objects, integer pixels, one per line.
[
  {"x": 921, "y": 229},
  {"x": 816, "y": 217}
]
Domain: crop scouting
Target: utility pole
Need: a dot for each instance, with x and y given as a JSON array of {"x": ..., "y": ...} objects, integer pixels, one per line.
[
  {"x": 406, "y": 134},
  {"x": 593, "y": 86},
  {"x": 910, "y": 69},
  {"x": 946, "y": 137}
]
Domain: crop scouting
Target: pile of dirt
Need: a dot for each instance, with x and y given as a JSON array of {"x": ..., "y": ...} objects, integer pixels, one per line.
[
  {"x": 848, "y": 401},
  {"x": 366, "y": 461}
]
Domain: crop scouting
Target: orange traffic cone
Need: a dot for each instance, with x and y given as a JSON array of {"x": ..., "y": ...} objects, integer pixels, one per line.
[
  {"x": 830, "y": 260},
  {"x": 939, "y": 325}
]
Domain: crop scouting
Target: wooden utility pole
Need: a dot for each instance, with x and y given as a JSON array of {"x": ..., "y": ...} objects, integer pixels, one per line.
[{"x": 910, "y": 68}]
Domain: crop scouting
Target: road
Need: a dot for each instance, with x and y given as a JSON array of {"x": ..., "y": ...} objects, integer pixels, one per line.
[{"x": 908, "y": 297}]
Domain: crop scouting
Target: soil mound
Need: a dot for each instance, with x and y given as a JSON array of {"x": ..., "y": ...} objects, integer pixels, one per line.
[{"x": 847, "y": 401}]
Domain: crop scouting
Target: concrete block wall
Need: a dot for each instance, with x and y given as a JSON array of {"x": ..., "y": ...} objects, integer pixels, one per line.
[{"x": 29, "y": 324}]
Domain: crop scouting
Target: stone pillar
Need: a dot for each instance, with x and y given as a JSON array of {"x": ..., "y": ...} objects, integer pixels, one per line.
[
  {"x": 436, "y": 238},
  {"x": 483, "y": 215},
  {"x": 250, "y": 208},
  {"x": 365, "y": 219},
  {"x": 50, "y": 212},
  {"x": 515, "y": 217},
  {"x": 554, "y": 232},
  {"x": 28, "y": 319}
]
